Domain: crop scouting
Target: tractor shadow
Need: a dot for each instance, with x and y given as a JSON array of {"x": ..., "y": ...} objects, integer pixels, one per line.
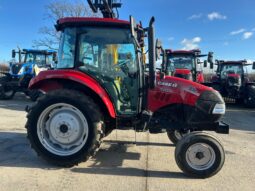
[
  {"x": 109, "y": 161},
  {"x": 15, "y": 151},
  {"x": 18, "y": 103}
]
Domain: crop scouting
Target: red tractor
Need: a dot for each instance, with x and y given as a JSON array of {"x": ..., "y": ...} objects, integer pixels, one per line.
[
  {"x": 100, "y": 84},
  {"x": 186, "y": 64},
  {"x": 232, "y": 81}
]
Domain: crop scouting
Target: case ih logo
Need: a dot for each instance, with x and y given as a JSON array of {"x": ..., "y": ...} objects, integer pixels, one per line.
[{"x": 169, "y": 84}]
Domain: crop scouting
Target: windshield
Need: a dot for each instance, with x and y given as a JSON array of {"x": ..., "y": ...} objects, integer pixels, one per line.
[
  {"x": 40, "y": 59},
  {"x": 231, "y": 69},
  {"x": 182, "y": 61}
]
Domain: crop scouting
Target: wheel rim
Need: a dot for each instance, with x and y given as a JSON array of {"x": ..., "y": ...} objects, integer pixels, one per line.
[
  {"x": 62, "y": 129},
  {"x": 200, "y": 156}
]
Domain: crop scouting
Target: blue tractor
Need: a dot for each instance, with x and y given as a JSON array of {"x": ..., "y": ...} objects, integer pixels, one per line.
[{"x": 30, "y": 63}]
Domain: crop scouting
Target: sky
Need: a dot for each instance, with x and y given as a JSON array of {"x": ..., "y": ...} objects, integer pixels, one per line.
[{"x": 225, "y": 27}]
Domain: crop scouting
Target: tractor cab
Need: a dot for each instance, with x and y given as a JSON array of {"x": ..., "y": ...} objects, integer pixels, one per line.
[
  {"x": 105, "y": 50},
  {"x": 186, "y": 64}
]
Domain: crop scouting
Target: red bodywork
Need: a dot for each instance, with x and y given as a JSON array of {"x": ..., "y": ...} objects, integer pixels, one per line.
[
  {"x": 200, "y": 77},
  {"x": 91, "y": 19},
  {"x": 182, "y": 71},
  {"x": 234, "y": 75},
  {"x": 173, "y": 90},
  {"x": 168, "y": 91}
]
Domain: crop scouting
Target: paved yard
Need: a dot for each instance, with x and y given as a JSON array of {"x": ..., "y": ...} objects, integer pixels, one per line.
[{"x": 121, "y": 165}]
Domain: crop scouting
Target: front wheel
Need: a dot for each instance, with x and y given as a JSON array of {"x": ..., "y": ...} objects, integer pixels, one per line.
[
  {"x": 6, "y": 92},
  {"x": 64, "y": 127},
  {"x": 175, "y": 136},
  {"x": 199, "y": 155},
  {"x": 249, "y": 100}
]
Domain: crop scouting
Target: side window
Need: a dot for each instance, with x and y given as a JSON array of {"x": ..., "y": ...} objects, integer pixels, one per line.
[
  {"x": 67, "y": 47},
  {"x": 88, "y": 54},
  {"x": 126, "y": 55}
]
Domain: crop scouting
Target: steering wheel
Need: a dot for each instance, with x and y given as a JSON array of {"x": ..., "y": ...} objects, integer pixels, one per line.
[{"x": 120, "y": 64}]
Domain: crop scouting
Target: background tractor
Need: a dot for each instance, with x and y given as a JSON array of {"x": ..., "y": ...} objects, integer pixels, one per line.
[
  {"x": 30, "y": 63},
  {"x": 186, "y": 64},
  {"x": 100, "y": 84},
  {"x": 232, "y": 81}
]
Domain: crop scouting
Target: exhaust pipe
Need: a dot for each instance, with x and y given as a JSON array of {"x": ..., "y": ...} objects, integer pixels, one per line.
[{"x": 152, "y": 54}]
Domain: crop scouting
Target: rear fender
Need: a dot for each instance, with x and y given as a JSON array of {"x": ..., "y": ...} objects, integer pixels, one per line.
[
  {"x": 200, "y": 78},
  {"x": 50, "y": 80}
]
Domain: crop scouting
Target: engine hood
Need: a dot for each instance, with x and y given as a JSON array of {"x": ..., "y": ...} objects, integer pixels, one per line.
[
  {"x": 182, "y": 71},
  {"x": 174, "y": 90},
  {"x": 234, "y": 75}
]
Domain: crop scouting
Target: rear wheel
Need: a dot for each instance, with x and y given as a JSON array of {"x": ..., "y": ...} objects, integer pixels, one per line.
[
  {"x": 34, "y": 94},
  {"x": 199, "y": 155},
  {"x": 249, "y": 100},
  {"x": 64, "y": 127},
  {"x": 6, "y": 92}
]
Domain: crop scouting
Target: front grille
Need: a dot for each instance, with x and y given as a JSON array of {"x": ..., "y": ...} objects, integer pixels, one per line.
[{"x": 234, "y": 81}]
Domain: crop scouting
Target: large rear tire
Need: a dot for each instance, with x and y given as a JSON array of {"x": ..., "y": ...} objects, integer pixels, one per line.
[
  {"x": 64, "y": 127},
  {"x": 34, "y": 94},
  {"x": 6, "y": 92},
  {"x": 199, "y": 155},
  {"x": 249, "y": 100}
]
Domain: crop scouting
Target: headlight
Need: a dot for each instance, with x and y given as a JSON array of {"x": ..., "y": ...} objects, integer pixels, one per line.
[
  {"x": 219, "y": 108},
  {"x": 22, "y": 70}
]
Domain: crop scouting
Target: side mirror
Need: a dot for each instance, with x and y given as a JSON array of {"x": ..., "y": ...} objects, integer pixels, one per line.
[
  {"x": 133, "y": 27},
  {"x": 211, "y": 65},
  {"x": 13, "y": 53},
  {"x": 253, "y": 66},
  {"x": 210, "y": 57},
  {"x": 205, "y": 63},
  {"x": 54, "y": 57}
]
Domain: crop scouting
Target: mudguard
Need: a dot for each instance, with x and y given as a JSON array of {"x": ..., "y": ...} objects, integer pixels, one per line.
[{"x": 50, "y": 80}]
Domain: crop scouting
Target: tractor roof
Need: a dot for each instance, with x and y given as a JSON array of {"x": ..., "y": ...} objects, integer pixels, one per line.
[
  {"x": 39, "y": 51},
  {"x": 195, "y": 52},
  {"x": 241, "y": 62},
  {"x": 90, "y": 21}
]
